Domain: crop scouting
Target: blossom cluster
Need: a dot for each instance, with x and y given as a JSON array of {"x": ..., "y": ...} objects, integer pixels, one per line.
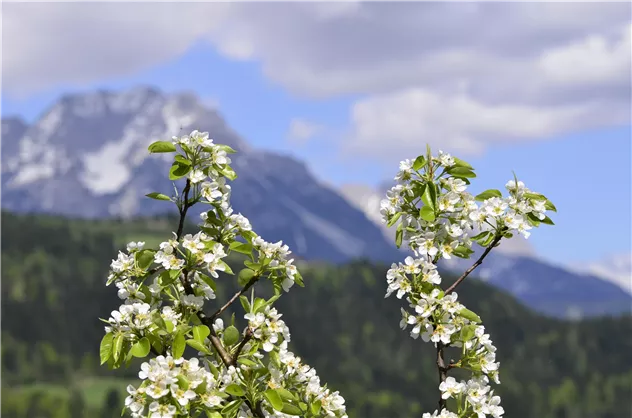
[
  {"x": 286, "y": 369},
  {"x": 439, "y": 219},
  {"x": 165, "y": 292},
  {"x": 174, "y": 385}
]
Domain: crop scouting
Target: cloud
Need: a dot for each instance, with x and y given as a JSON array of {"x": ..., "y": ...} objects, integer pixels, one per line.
[
  {"x": 50, "y": 44},
  {"x": 467, "y": 74},
  {"x": 302, "y": 130},
  {"x": 462, "y": 75},
  {"x": 415, "y": 116}
]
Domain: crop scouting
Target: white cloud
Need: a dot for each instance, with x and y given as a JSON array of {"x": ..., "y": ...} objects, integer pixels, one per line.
[
  {"x": 412, "y": 117},
  {"x": 302, "y": 130},
  {"x": 74, "y": 43},
  {"x": 592, "y": 60},
  {"x": 465, "y": 74}
]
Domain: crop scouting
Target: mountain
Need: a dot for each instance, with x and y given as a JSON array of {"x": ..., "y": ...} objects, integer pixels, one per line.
[
  {"x": 514, "y": 268},
  {"x": 616, "y": 268},
  {"x": 86, "y": 156}
]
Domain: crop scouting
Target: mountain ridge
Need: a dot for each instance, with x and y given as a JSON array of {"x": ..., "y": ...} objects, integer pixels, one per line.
[{"x": 86, "y": 156}]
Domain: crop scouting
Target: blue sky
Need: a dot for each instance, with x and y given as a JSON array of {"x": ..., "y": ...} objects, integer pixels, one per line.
[{"x": 586, "y": 172}]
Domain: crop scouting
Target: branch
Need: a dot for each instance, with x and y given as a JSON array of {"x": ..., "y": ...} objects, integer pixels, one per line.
[
  {"x": 183, "y": 210},
  {"x": 443, "y": 373},
  {"x": 241, "y": 345},
  {"x": 219, "y": 347},
  {"x": 215, "y": 341},
  {"x": 234, "y": 298},
  {"x": 476, "y": 264},
  {"x": 231, "y": 361}
]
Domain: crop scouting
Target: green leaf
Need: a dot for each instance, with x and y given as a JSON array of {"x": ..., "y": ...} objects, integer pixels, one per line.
[
  {"x": 245, "y": 275},
  {"x": 161, "y": 146},
  {"x": 460, "y": 163},
  {"x": 457, "y": 171},
  {"x": 225, "y": 148},
  {"x": 182, "y": 160},
  {"x": 467, "y": 332},
  {"x": 178, "y": 170},
  {"x": 427, "y": 214},
  {"x": 315, "y": 407},
  {"x": 198, "y": 346},
  {"x": 259, "y": 305},
  {"x": 158, "y": 196},
  {"x": 141, "y": 348},
  {"x": 145, "y": 258},
  {"x": 418, "y": 188},
  {"x": 483, "y": 237},
  {"x": 247, "y": 362},
  {"x": 235, "y": 390},
  {"x": 488, "y": 194},
  {"x": 213, "y": 414},
  {"x": 467, "y": 314},
  {"x": 165, "y": 278},
  {"x": 226, "y": 267},
  {"x": 550, "y": 206},
  {"x": 394, "y": 219},
  {"x": 547, "y": 221},
  {"x": 169, "y": 326},
  {"x": 208, "y": 280},
  {"x": 231, "y": 335},
  {"x": 228, "y": 172},
  {"x": 231, "y": 408},
  {"x": 430, "y": 196},
  {"x": 241, "y": 247},
  {"x": 117, "y": 346},
  {"x": 463, "y": 252},
  {"x": 285, "y": 394},
  {"x": 183, "y": 382},
  {"x": 201, "y": 332},
  {"x": 291, "y": 409},
  {"x": 535, "y": 221},
  {"x": 420, "y": 162},
  {"x": 273, "y": 397},
  {"x": 106, "y": 347},
  {"x": 399, "y": 235},
  {"x": 178, "y": 346},
  {"x": 252, "y": 266},
  {"x": 244, "y": 303}
]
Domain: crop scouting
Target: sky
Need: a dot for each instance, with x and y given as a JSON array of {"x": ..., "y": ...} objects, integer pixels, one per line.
[{"x": 352, "y": 88}]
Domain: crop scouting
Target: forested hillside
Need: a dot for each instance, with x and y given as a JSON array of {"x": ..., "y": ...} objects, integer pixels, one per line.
[{"x": 53, "y": 292}]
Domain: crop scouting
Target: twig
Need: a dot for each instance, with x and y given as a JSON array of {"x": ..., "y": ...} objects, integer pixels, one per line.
[
  {"x": 219, "y": 347},
  {"x": 476, "y": 264},
  {"x": 443, "y": 372},
  {"x": 234, "y": 298},
  {"x": 241, "y": 345},
  {"x": 231, "y": 361},
  {"x": 183, "y": 210}
]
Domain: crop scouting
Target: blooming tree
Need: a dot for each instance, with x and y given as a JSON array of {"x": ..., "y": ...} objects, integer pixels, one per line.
[
  {"x": 167, "y": 295},
  {"x": 436, "y": 217}
]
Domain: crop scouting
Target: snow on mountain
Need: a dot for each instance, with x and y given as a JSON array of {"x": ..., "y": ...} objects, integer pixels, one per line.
[
  {"x": 87, "y": 156},
  {"x": 616, "y": 268},
  {"x": 515, "y": 268}
]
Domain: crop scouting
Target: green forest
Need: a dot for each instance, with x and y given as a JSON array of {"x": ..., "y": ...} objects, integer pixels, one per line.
[{"x": 53, "y": 294}]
